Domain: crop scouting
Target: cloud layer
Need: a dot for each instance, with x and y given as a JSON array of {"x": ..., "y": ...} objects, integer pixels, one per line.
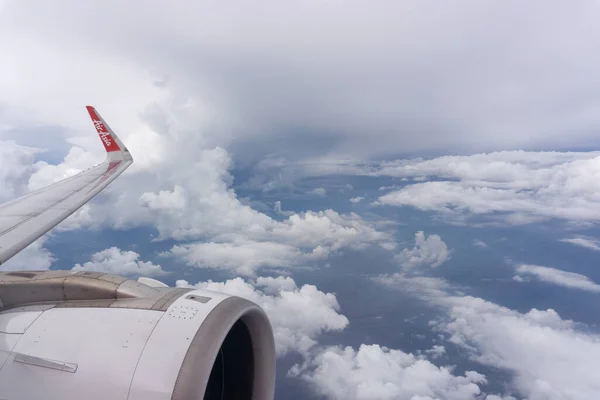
[
  {"x": 116, "y": 261},
  {"x": 588, "y": 243},
  {"x": 375, "y": 372},
  {"x": 550, "y": 357},
  {"x": 557, "y": 277},
  {"x": 33, "y": 257},
  {"x": 515, "y": 187}
]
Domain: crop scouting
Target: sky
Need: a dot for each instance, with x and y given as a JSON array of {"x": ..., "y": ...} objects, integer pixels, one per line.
[{"x": 416, "y": 182}]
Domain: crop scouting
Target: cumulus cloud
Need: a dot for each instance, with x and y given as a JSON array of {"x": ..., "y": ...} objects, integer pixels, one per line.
[
  {"x": 297, "y": 240},
  {"x": 480, "y": 244},
  {"x": 17, "y": 165},
  {"x": 279, "y": 211},
  {"x": 496, "y": 397},
  {"x": 430, "y": 251},
  {"x": 321, "y": 192},
  {"x": 356, "y": 200},
  {"x": 32, "y": 257},
  {"x": 375, "y": 372},
  {"x": 328, "y": 228},
  {"x": 245, "y": 257},
  {"x": 588, "y": 243},
  {"x": 436, "y": 351},
  {"x": 513, "y": 186},
  {"x": 420, "y": 286},
  {"x": 298, "y": 314},
  {"x": 76, "y": 160},
  {"x": 550, "y": 357},
  {"x": 116, "y": 261},
  {"x": 557, "y": 277}
]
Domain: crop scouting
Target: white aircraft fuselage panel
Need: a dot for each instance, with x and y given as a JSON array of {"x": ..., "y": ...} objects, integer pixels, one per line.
[
  {"x": 7, "y": 343},
  {"x": 105, "y": 345},
  {"x": 17, "y": 322}
]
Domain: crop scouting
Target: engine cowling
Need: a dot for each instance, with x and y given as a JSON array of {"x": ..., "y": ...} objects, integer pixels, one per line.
[{"x": 67, "y": 335}]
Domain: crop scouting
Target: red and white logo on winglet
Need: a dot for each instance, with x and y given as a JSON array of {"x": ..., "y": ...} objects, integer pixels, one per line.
[{"x": 105, "y": 136}]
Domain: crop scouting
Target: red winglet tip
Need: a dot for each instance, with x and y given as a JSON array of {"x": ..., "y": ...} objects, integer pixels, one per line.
[{"x": 108, "y": 141}]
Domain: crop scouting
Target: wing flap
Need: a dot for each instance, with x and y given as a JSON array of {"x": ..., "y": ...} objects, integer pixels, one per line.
[{"x": 25, "y": 219}]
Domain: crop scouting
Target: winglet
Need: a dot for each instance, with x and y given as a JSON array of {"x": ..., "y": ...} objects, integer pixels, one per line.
[{"x": 115, "y": 149}]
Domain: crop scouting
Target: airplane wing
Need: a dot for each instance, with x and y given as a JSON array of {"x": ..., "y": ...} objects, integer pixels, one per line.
[
  {"x": 25, "y": 219},
  {"x": 67, "y": 335}
]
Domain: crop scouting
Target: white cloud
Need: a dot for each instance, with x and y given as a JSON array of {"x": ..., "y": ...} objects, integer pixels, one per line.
[
  {"x": 496, "y": 397},
  {"x": 356, "y": 200},
  {"x": 328, "y": 228},
  {"x": 298, "y": 315},
  {"x": 480, "y": 244},
  {"x": 421, "y": 286},
  {"x": 588, "y": 243},
  {"x": 513, "y": 186},
  {"x": 550, "y": 357},
  {"x": 279, "y": 211},
  {"x": 171, "y": 200},
  {"x": 74, "y": 162},
  {"x": 558, "y": 277},
  {"x": 119, "y": 262},
  {"x": 321, "y": 192},
  {"x": 16, "y": 168},
  {"x": 430, "y": 251},
  {"x": 375, "y": 372},
  {"x": 245, "y": 257},
  {"x": 298, "y": 240},
  {"x": 33, "y": 257},
  {"x": 436, "y": 351}
]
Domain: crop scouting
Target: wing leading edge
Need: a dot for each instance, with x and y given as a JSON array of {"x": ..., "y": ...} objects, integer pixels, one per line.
[{"x": 25, "y": 219}]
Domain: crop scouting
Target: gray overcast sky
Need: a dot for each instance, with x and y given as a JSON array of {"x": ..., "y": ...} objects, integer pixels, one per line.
[{"x": 361, "y": 79}]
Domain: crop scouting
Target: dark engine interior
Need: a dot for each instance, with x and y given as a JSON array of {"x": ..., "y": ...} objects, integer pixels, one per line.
[{"x": 232, "y": 374}]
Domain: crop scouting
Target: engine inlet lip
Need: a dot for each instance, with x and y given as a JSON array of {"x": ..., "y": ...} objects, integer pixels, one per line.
[{"x": 195, "y": 370}]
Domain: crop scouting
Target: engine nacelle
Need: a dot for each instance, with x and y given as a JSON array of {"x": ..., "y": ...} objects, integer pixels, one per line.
[{"x": 67, "y": 335}]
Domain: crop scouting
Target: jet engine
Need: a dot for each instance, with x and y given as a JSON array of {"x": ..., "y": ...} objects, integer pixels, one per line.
[{"x": 88, "y": 335}]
